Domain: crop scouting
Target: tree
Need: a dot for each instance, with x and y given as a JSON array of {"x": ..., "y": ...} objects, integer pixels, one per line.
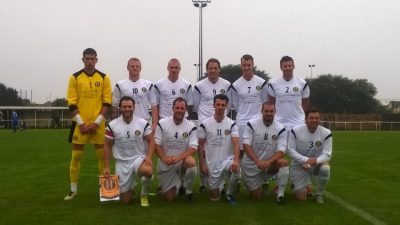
[
  {"x": 9, "y": 96},
  {"x": 59, "y": 102},
  {"x": 233, "y": 72},
  {"x": 338, "y": 94}
]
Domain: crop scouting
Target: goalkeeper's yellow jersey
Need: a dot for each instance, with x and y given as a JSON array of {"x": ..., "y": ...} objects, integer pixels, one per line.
[{"x": 89, "y": 94}]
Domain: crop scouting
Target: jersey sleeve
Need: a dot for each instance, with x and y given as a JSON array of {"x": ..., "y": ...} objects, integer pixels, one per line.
[
  {"x": 294, "y": 155},
  {"x": 234, "y": 98},
  {"x": 234, "y": 130},
  {"x": 196, "y": 98},
  {"x": 147, "y": 129},
  {"x": 107, "y": 96},
  {"x": 228, "y": 94},
  {"x": 202, "y": 131},
  {"x": 306, "y": 91},
  {"x": 189, "y": 95},
  {"x": 72, "y": 94},
  {"x": 116, "y": 96},
  {"x": 248, "y": 134},
  {"x": 152, "y": 95},
  {"x": 264, "y": 92},
  {"x": 157, "y": 93},
  {"x": 271, "y": 90},
  {"x": 326, "y": 150},
  {"x": 282, "y": 140},
  {"x": 158, "y": 135},
  {"x": 109, "y": 133},
  {"x": 193, "y": 140}
]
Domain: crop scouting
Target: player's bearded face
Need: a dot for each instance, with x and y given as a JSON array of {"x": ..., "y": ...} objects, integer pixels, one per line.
[
  {"x": 268, "y": 114},
  {"x": 127, "y": 109},
  {"x": 179, "y": 110},
  {"x": 312, "y": 121}
]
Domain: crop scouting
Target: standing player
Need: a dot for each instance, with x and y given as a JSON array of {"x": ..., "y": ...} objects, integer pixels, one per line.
[
  {"x": 89, "y": 98},
  {"x": 171, "y": 87},
  {"x": 176, "y": 142},
  {"x": 310, "y": 148},
  {"x": 290, "y": 95},
  {"x": 141, "y": 90},
  {"x": 130, "y": 139},
  {"x": 219, "y": 151},
  {"x": 203, "y": 96},
  {"x": 265, "y": 144},
  {"x": 248, "y": 94}
]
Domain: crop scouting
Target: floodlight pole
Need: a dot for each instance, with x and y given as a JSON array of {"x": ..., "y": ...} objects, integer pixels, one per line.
[
  {"x": 311, "y": 68},
  {"x": 200, "y": 4}
]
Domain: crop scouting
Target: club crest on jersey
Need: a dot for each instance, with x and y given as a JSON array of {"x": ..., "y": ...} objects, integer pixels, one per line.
[
  {"x": 75, "y": 138},
  {"x": 295, "y": 89},
  {"x": 318, "y": 143},
  {"x": 258, "y": 88},
  {"x": 227, "y": 132},
  {"x": 222, "y": 91},
  {"x": 274, "y": 137},
  {"x": 185, "y": 135},
  {"x": 137, "y": 132},
  {"x": 97, "y": 84},
  {"x": 144, "y": 89},
  {"x": 182, "y": 91}
]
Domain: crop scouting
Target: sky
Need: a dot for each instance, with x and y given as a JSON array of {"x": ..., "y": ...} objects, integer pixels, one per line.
[{"x": 41, "y": 41}]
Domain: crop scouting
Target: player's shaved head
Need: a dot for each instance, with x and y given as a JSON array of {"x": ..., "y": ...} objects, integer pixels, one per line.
[{"x": 89, "y": 51}]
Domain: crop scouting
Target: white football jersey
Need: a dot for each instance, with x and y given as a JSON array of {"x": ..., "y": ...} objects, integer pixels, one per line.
[
  {"x": 218, "y": 141},
  {"x": 248, "y": 97},
  {"x": 265, "y": 141},
  {"x": 129, "y": 142},
  {"x": 203, "y": 96},
  {"x": 303, "y": 145},
  {"x": 289, "y": 95},
  {"x": 167, "y": 91},
  {"x": 142, "y": 91},
  {"x": 175, "y": 139}
]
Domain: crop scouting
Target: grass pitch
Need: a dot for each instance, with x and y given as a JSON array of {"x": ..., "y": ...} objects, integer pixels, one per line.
[{"x": 35, "y": 164}]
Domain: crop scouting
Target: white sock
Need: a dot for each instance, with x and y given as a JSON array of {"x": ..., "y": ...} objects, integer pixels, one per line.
[
  {"x": 189, "y": 178},
  {"x": 282, "y": 178},
  {"x": 322, "y": 178},
  {"x": 233, "y": 183},
  {"x": 74, "y": 187}
]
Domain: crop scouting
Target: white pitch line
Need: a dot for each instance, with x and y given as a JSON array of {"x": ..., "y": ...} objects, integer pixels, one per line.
[{"x": 366, "y": 216}]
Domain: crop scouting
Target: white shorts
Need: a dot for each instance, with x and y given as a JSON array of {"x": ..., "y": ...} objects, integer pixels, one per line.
[
  {"x": 216, "y": 179},
  {"x": 301, "y": 178},
  {"x": 126, "y": 169},
  {"x": 169, "y": 176},
  {"x": 255, "y": 177}
]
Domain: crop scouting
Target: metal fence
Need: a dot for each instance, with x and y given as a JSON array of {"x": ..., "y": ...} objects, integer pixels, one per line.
[
  {"x": 367, "y": 125},
  {"x": 361, "y": 126}
]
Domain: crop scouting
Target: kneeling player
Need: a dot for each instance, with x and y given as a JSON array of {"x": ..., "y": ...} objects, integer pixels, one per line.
[
  {"x": 176, "y": 142},
  {"x": 125, "y": 135},
  {"x": 265, "y": 143},
  {"x": 218, "y": 135},
  {"x": 310, "y": 147}
]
